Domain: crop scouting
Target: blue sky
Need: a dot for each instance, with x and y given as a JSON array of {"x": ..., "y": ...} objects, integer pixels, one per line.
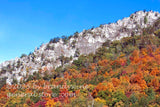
[{"x": 26, "y": 24}]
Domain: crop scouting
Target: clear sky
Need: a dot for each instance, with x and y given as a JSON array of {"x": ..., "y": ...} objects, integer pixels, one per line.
[{"x": 26, "y": 24}]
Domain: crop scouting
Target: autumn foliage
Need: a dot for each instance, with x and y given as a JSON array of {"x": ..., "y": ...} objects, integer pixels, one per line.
[{"x": 125, "y": 79}]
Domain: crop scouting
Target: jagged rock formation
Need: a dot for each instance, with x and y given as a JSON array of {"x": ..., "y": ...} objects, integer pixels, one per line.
[{"x": 62, "y": 52}]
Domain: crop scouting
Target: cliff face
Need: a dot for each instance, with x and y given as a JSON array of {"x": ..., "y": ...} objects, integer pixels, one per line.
[{"x": 63, "y": 52}]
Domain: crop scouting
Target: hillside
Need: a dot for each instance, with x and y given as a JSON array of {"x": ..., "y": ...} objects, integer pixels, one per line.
[
  {"x": 49, "y": 55},
  {"x": 115, "y": 64}
]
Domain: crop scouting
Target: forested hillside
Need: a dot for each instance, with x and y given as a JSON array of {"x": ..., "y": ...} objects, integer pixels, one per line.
[{"x": 121, "y": 73}]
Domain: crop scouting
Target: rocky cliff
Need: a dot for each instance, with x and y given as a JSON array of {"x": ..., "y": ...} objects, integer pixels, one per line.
[{"x": 63, "y": 51}]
